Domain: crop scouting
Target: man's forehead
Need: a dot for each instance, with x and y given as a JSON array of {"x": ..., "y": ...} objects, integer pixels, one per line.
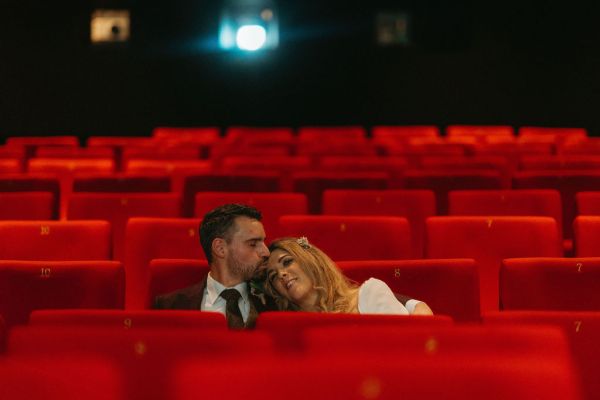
[{"x": 250, "y": 227}]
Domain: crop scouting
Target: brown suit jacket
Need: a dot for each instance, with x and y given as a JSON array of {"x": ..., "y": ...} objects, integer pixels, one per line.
[{"x": 190, "y": 298}]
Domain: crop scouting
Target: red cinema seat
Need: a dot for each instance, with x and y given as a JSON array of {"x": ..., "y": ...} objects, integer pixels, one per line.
[
  {"x": 480, "y": 131},
  {"x": 288, "y": 327},
  {"x": 393, "y": 166},
  {"x": 588, "y": 203},
  {"x": 117, "y": 208},
  {"x": 150, "y": 238},
  {"x": 70, "y": 152},
  {"x": 208, "y": 134},
  {"x": 489, "y": 240},
  {"x": 329, "y": 133},
  {"x": 353, "y": 237},
  {"x": 27, "y": 206},
  {"x": 177, "y": 170},
  {"x": 442, "y": 182},
  {"x": 223, "y": 182},
  {"x": 435, "y": 282},
  {"x": 34, "y": 141},
  {"x": 271, "y": 205},
  {"x": 241, "y": 134},
  {"x": 587, "y": 235},
  {"x": 25, "y": 183},
  {"x": 10, "y": 166},
  {"x": 69, "y": 166},
  {"x": 60, "y": 378},
  {"x": 342, "y": 372},
  {"x": 285, "y": 164},
  {"x": 567, "y": 182},
  {"x": 582, "y": 330},
  {"x": 122, "y": 183},
  {"x": 33, "y": 285},
  {"x": 516, "y": 202},
  {"x": 401, "y": 133},
  {"x": 299, "y": 321},
  {"x": 55, "y": 240},
  {"x": 146, "y": 356},
  {"x": 313, "y": 184},
  {"x": 557, "y": 134},
  {"x": 414, "y": 205},
  {"x": 561, "y": 284},
  {"x": 122, "y": 319},
  {"x": 168, "y": 275},
  {"x": 552, "y": 162},
  {"x": 119, "y": 141},
  {"x": 162, "y": 152},
  {"x": 3, "y": 334}
]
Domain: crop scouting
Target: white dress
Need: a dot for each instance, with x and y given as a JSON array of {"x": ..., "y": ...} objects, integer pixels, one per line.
[{"x": 376, "y": 297}]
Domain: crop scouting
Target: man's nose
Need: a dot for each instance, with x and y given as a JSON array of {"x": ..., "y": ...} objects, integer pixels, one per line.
[{"x": 264, "y": 251}]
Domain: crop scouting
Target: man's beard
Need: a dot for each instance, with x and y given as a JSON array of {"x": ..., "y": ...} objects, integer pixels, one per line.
[{"x": 241, "y": 270}]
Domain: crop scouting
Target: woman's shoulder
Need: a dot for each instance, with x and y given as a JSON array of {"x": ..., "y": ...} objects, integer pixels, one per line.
[{"x": 376, "y": 297}]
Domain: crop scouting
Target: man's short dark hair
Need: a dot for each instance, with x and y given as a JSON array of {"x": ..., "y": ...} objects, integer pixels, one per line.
[{"x": 218, "y": 223}]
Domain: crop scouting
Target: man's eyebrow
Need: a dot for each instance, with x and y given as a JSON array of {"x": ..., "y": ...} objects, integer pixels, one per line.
[{"x": 258, "y": 239}]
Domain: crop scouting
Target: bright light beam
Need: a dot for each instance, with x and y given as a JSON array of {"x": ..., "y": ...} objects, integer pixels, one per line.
[{"x": 251, "y": 37}]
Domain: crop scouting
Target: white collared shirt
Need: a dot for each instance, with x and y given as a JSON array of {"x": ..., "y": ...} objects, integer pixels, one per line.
[{"x": 213, "y": 302}]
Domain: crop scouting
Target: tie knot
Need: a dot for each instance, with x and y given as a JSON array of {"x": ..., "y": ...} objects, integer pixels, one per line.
[{"x": 230, "y": 295}]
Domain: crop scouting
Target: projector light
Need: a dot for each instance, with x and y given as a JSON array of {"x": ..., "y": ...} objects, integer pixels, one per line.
[{"x": 251, "y": 37}]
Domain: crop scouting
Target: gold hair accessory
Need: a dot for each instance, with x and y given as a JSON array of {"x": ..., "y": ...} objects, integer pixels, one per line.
[{"x": 303, "y": 242}]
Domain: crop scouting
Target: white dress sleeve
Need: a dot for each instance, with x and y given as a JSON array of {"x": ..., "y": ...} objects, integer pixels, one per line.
[{"x": 375, "y": 297}]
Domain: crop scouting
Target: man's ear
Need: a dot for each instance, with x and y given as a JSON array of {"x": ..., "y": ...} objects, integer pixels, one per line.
[{"x": 219, "y": 247}]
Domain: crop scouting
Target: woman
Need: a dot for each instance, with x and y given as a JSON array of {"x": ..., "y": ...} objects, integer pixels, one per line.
[{"x": 301, "y": 277}]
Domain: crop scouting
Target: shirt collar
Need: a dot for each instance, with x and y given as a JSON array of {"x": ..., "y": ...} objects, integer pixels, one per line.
[{"x": 215, "y": 288}]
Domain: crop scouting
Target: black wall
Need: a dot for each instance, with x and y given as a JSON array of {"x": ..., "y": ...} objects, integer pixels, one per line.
[{"x": 470, "y": 62}]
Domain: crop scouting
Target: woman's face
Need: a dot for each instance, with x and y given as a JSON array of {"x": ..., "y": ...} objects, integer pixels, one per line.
[{"x": 290, "y": 280}]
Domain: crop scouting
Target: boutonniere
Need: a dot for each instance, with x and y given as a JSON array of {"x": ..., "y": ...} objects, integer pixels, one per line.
[{"x": 257, "y": 288}]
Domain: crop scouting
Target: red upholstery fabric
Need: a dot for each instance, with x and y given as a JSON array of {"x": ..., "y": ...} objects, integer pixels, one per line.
[
  {"x": 400, "y": 133},
  {"x": 149, "y": 238},
  {"x": 242, "y": 182},
  {"x": 42, "y": 141},
  {"x": 435, "y": 282},
  {"x": 569, "y": 284},
  {"x": 121, "y": 319},
  {"x": 60, "y": 378},
  {"x": 480, "y": 130},
  {"x": 117, "y": 208},
  {"x": 587, "y": 232},
  {"x": 167, "y": 275},
  {"x": 353, "y": 237},
  {"x": 489, "y": 240},
  {"x": 71, "y": 165},
  {"x": 32, "y": 285},
  {"x": 588, "y": 203},
  {"x": 403, "y": 366},
  {"x": 55, "y": 240},
  {"x": 572, "y": 162},
  {"x": 145, "y": 356},
  {"x": 74, "y": 152},
  {"x": 271, "y": 205},
  {"x": 27, "y": 205},
  {"x": 33, "y": 183},
  {"x": 122, "y": 183},
  {"x": 582, "y": 331},
  {"x": 441, "y": 182},
  {"x": 567, "y": 182},
  {"x": 414, "y": 205},
  {"x": 313, "y": 184},
  {"x": 318, "y": 133},
  {"x": 10, "y": 165},
  {"x": 539, "y": 202}
]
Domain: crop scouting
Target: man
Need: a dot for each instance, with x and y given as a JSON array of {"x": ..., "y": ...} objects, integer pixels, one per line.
[{"x": 233, "y": 240}]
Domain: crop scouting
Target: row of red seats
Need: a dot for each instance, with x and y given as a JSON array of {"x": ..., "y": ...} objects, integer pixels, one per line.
[
  {"x": 158, "y": 354},
  {"x": 415, "y": 205},
  {"x": 487, "y": 283}
]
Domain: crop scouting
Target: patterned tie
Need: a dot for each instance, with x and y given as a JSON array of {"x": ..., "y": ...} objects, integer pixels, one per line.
[{"x": 233, "y": 313}]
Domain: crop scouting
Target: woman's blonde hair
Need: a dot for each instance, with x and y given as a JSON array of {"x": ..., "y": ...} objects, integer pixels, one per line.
[{"x": 335, "y": 292}]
